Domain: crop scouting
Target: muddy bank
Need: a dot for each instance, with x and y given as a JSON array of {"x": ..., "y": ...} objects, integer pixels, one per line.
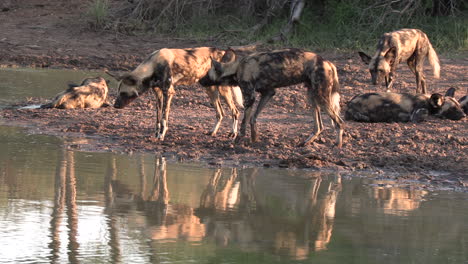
[
  {"x": 421, "y": 150},
  {"x": 51, "y": 35}
]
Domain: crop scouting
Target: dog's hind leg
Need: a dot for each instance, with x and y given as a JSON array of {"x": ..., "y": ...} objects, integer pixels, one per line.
[
  {"x": 167, "y": 94},
  {"x": 420, "y": 78},
  {"x": 335, "y": 116},
  {"x": 317, "y": 127},
  {"x": 320, "y": 122},
  {"x": 266, "y": 96},
  {"x": 213, "y": 94},
  {"x": 248, "y": 91},
  {"x": 159, "y": 103},
  {"x": 229, "y": 97}
]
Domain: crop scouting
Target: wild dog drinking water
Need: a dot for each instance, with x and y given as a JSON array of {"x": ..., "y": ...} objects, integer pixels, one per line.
[
  {"x": 401, "y": 107},
  {"x": 91, "y": 93},
  {"x": 405, "y": 45},
  {"x": 263, "y": 72},
  {"x": 166, "y": 68}
]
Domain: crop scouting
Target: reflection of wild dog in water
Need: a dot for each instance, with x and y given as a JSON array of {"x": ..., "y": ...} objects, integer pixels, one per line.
[
  {"x": 263, "y": 72},
  {"x": 167, "y": 68},
  {"x": 397, "y": 107},
  {"x": 410, "y": 45},
  {"x": 91, "y": 93}
]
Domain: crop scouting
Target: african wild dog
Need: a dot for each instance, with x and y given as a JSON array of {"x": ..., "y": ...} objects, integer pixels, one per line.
[
  {"x": 91, "y": 93},
  {"x": 463, "y": 101},
  {"x": 401, "y": 107},
  {"x": 166, "y": 68},
  {"x": 263, "y": 72},
  {"x": 410, "y": 45}
]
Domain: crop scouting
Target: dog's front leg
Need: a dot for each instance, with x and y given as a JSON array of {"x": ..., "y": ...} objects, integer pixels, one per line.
[
  {"x": 389, "y": 82},
  {"x": 159, "y": 103},
  {"x": 166, "y": 108},
  {"x": 249, "y": 99}
]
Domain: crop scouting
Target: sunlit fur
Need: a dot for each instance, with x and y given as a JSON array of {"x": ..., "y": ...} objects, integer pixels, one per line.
[
  {"x": 404, "y": 45},
  {"x": 401, "y": 107},
  {"x": 464, "y": 103},
  {"x": 169, "y": 66},
  {"x": 91, "y": 93},
  {"x": 263, "y": 72},
  {"x": 165, "y": 69}
]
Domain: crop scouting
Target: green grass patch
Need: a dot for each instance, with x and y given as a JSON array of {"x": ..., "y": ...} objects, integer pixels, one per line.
[
  {"x": 331, "y": 25},
  {"x": 97, "y": 14}
]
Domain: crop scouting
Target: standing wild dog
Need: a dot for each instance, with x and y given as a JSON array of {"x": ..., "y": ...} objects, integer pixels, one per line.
[
  {"x": 401, "y": 107},
  {"x": 91, "y": 93},
  {"x": 410, "y": 45},
  {"x": 166, "y": 68},
  {"x": 265, "y": 71}
]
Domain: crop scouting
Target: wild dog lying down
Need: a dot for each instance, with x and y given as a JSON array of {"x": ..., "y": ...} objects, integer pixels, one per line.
[
  {"x": 401, "y": 107},
  {"x": 463, "y": 101},
  {"x": 91, "y": 93},
  {"x": 265, "y": 71},
  {"x": 405, "y": 45},
  {"x": 167, "y": 68}
]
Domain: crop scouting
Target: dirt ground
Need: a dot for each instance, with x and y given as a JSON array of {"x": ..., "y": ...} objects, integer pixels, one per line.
[{"x": 53, "y": 34}]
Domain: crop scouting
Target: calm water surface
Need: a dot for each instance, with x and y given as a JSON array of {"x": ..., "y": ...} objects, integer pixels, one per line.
[{"x": 58, "y": 205}]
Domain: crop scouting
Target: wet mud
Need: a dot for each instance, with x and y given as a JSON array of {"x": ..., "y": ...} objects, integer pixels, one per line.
[{"x": 434, "y": 150}]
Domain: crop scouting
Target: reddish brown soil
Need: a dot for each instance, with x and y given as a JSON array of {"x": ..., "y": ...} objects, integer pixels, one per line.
[{"x": 52, "y": 34}]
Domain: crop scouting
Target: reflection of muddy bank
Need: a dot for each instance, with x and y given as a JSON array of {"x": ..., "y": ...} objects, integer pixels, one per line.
[
  {"x": 250, "y": 211},
  {"x": 117, "y": 217},
  {"x": 395, "y": 200},
  {"x": 234, "y": 212},
  {"x": 415, "y": 150},
  {"x": 405, "y": 221}
]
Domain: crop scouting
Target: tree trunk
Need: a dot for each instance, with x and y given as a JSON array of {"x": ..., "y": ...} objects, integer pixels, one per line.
[{"x": 296, "y": 10}]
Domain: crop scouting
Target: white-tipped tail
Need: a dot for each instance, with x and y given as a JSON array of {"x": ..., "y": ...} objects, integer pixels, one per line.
[
  {"x": 335, "y": 96},
  {"x": 434, "y": 61},
  {"x": 237, "y": 94},
  {"x": 335, "y": 102}
]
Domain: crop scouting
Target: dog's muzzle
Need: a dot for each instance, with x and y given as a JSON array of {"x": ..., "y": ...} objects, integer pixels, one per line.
[
  {"x": 206, "y": 81},
  {"x": 123, "y": 100}
]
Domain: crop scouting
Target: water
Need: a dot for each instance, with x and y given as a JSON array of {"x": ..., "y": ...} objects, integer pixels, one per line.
[
  {"x": 22, "y": 83},
  {"x": 63, "y": 206}
]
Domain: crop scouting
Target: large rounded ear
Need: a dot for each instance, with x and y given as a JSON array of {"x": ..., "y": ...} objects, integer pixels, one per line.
[
  {"x": 390, "y": 56},
  {"x": 436, "y": 100},
  {"x": 217, "y": 66},
  {"x": 364, "y": 57},
  {"x": 451, "y": 92},
  {"x": 128, "y": 80},
  {"x": 72, "y": 85},
  {"x": 115, "y": 75},
  {"x": 229, "y": 56}
]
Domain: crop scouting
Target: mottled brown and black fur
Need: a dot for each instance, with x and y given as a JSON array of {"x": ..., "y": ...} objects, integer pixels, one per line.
[
  {"x": 166, "y": 68},
  {"x": 463, "y": 100},
  {"x": 464, "y": 103},
  {"x": 401, "y": 107},
  {"x": 91, "y": 93},
  {"x": 265, "y": 71},
  {"x": 405, "y": 45}
]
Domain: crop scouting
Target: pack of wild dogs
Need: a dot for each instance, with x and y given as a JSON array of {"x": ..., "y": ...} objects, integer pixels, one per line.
[{"x": 237, "y": 74}]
